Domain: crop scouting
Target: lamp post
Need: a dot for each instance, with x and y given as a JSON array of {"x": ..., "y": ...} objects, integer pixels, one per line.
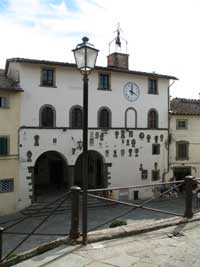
[{"x": 85, "y": 57}]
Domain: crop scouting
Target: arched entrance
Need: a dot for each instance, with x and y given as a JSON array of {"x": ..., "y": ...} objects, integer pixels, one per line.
[
  {"x": 50, "y": 174},
  {"x": 96, "y": 170}
]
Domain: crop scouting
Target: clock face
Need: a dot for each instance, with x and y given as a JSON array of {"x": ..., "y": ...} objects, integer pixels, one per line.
[{"x": 131, "y": 91}]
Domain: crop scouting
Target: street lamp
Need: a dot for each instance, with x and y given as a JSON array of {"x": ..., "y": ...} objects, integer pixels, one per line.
[{"x": 85, "y": 56}]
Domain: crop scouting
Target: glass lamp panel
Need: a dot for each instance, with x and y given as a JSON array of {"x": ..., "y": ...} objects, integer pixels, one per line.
[
  {"x": 79, "y": 55},
  {"x": 91, "y": 57}
]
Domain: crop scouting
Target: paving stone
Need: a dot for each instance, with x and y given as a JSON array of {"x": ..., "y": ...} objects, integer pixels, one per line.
[{"x": 122, "y": 260}]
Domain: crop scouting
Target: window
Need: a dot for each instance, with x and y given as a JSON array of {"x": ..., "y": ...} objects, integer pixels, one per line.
[
  {"x": 76, "y": 117},
  {"x": 153, "y": 86},
  {"x": 144, "y": 174},
  {"x": 104, "y": 81},
  {"x": 104, "y": 118},
  {"x": 155, "y": 149},
  {"x": 155, "y": 175},
  {"x": 4, "y": 102},
  {"x": 6, "y": 185},
  {"x": 152, "y": 119},
  {"x": 182, "y": 150},
  {"x": 47, "y": 117},
  {"x": 48, "y": 77},
  {"x": 3, "y": 145},
  {"x": 181, "y": 124}
]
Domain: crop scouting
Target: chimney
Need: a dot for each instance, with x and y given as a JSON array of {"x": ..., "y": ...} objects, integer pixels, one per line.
[{"x": 118, "y": 60}]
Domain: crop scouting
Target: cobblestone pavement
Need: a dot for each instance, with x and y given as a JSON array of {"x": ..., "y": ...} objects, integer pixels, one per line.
[
  {"x": 170, "y": 247},
  {"x": 58, "y": 225}
]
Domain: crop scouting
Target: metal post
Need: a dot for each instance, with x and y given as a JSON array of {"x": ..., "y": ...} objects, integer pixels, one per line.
[
  {"x": 1, "y": 242},
  {"x": 85, "y": 157},
  {"x": 75, "y": 202},
  {"x": 188, "y": 197}
]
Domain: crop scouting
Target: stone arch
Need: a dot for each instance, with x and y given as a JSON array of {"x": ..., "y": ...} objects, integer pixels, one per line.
[
  {"x": 50, "y": 174},
  {"x": 130, "y": 122},
  {"x": 96, "y": 170},
  {"x": 51, "y": 123}
]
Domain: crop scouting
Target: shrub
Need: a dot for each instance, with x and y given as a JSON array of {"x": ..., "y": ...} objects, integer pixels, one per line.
[{"x": 117, "y": 223}]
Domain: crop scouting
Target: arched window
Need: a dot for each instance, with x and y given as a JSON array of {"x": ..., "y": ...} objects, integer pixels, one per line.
[
  {"x": 130, "y": 118},
  {"x": 47, "y": 116},
  {"x": 152, "y": 119},
  {"x": 104, "y": 118},
  {"x": 76, "y": 117}
]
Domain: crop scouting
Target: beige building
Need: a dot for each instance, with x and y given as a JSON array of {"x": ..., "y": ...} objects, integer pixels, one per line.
[
  {"x": 184, "y": 138},
  {"x": 10, "y": 94}
]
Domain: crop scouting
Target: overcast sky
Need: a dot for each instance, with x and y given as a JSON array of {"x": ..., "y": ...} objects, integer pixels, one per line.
[{"x": 163, "y": 35}]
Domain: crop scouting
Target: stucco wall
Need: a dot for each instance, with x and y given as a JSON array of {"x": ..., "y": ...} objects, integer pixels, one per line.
[
  {"x": 68, "y": 92},
  {"x": 191, "y": 135},
  {"x": 9, "y": 118}
]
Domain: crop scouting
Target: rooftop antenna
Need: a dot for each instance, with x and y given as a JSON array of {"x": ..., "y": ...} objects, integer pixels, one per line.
[{"x": 118, "y": 39}]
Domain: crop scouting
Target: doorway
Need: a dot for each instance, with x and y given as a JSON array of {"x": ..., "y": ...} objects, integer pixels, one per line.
[
  {"x": 50, "y": 175},
  {"x": 96, "y": 172}
]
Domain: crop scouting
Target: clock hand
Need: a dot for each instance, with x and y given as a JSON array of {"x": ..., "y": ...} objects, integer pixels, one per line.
[{"x": 131, "y": 91}]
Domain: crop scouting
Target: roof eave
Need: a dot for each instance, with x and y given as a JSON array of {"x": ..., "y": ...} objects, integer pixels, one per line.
[{"x": 72, "y": 65}]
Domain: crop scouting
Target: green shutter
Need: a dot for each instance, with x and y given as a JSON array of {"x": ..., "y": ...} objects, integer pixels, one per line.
[{"x": 3, "y": 145}]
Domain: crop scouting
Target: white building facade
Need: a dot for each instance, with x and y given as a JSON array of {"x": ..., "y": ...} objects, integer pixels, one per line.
[
  {"x": 128, "y": 125},
  {"x": 184, "y": 138}
]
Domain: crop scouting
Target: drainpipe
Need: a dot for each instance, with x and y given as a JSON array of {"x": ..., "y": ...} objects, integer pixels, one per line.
[{"x": 164, "y": 173}]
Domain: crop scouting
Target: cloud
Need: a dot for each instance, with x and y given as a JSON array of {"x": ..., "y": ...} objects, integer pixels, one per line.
[{"x": 162, "y": 35}]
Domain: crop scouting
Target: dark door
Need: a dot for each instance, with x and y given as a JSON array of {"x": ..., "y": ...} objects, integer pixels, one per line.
[
  {"x": 180, "y": 173},
  {"x": 56, "y": 172},
  {"x": 95, "y": 170},
  {"x": 136, "y": 195}
]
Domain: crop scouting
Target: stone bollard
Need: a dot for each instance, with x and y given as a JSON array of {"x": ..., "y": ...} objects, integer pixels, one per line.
[
  {"x": 188, "y": 196},
  {"x": 1, "y": 242},
  {"x": 75, "y": 206}
]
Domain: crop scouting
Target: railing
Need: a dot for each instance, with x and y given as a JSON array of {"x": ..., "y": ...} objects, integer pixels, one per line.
[
  {"x": 103, "y": 195},
  {"x": 187, "y": 183},
  {"x": 61, "y": 200}
]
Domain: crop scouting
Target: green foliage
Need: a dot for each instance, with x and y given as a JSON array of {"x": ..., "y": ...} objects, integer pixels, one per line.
[
  {"x": 12, "y": 256},
  {"x": 117, "y": 223}
]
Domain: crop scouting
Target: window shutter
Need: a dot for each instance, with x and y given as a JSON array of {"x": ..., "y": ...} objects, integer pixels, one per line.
[{"x": 3, "y": 145}]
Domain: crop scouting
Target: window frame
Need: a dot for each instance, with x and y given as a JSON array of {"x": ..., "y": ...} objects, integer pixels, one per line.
[
  {"x": 99, "y": 118},
  {"x": 155, "y": 149},
  {"x": 180, "y": 127},
  {"x": 109, "y": 81},
  {"x": 40, "y": 116},
  {"x": 144, "y": 174},
  {"x": 42, "y": 83},
  {"x": 71, "y": 117},
  {"x": 148, "y": 119},
  {"x": 153, "y": 172},
  {"x": 11, "y": 186},
  {"x": 150, "y": 89},
  {"x": 6, "y": 104},
  {"x": 178, "y": 157},
  {"x": 8, "y": 146}
]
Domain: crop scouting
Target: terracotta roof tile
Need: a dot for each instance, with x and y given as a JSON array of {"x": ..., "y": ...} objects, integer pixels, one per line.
[
  {"x": 183, "y": 106},
  {"x": 7, "y": 84}
]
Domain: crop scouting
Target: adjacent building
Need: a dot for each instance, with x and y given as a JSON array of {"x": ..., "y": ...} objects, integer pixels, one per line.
[
  {"x": 184, "y": 138},
  {"x": 10, "y": 96}
]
